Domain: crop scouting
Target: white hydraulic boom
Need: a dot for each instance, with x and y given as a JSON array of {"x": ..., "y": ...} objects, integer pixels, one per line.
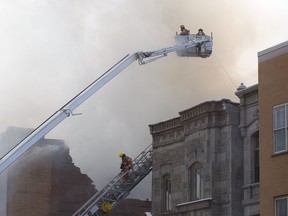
[
  {"x": 119, "y": 187},
  {"x": 186, "y": 45}
]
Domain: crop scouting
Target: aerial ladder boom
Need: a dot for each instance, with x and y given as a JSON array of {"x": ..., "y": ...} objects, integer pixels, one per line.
[{"x": 187, "y": 45}]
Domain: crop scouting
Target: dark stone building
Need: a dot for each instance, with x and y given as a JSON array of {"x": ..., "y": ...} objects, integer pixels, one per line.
[
  {"x": 249, "y": 128},
  {"x": 198, "y": 162}
]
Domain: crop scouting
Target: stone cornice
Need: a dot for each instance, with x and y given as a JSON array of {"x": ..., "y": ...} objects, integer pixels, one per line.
[
  {"x": 201, "y": 111},
  {"x": 246, "y": 90},
  {"x": 166, "y": 125},
  {"x": 205, "y": 108}
]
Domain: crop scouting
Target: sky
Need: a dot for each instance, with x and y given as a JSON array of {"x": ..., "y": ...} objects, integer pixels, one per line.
[{"x": 50, "y": 50}]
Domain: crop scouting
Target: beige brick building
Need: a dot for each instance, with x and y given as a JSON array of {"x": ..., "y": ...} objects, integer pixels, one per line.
[{"x": 273, "y": 118}]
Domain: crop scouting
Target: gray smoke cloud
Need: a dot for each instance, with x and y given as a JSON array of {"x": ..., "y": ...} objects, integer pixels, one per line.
[{"x": 50, "y": 50}]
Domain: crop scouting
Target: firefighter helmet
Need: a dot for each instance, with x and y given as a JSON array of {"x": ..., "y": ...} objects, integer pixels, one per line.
[{"x": 106, "y": 207}]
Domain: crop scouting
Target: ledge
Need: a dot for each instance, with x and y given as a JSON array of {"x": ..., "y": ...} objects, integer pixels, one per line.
[
  {"x": 253, "y": 185},
  {"x": 194, "y": 205},
  {"x": 275, "y": 154}
]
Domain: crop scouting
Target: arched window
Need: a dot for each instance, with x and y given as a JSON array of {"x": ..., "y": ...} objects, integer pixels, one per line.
[
  {"x": 166, "y": 193},
  {"x": 196, "y": 182}
]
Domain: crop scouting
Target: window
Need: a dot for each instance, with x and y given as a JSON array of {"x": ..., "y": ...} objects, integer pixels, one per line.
[
  {"x": 167, "y": 201},
  {"x": 256, "y": 164},
  {"x": 196, "y": 182},
  {"x": 281, "y": 206},
  {"x": 255, "y": 158},
  {"x": 280, "y": 128}
]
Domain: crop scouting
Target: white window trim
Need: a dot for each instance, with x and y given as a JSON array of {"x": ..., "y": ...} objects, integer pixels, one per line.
[{"x": 285, "y": 127}]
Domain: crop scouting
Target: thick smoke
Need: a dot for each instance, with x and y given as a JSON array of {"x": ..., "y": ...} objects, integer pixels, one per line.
[{"x": 50, "y": 50}]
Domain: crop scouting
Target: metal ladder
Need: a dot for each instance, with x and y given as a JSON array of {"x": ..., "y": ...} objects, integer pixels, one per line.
[{"x": 119, "y": 188}]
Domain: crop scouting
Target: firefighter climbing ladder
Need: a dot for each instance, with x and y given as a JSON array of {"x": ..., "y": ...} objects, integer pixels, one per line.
[{"x": 119, "y": 187}]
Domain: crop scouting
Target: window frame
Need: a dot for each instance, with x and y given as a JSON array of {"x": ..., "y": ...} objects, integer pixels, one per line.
[
  {"x": 281, "y": 198},
  {"x": 196, "y": 182},
  {"x": 255, "y": 160},
  {"x": 277, "y": 128},
  {"x": 166, "y": 193}
]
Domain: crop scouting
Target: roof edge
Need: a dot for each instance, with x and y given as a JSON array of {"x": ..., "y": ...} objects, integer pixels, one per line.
[{"x": 273, "y": 52}]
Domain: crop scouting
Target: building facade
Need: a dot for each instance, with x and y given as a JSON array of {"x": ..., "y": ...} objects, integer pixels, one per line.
[
  {"x": 249, "y": 128},
  {"x": 273, "y": 119},
  {"x": 198, "y": 162}
]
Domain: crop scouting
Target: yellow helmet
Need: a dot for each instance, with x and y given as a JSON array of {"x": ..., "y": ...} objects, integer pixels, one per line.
[
  {"x": 106, "y": 207},
  {"x": 121, "y": 154}
]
